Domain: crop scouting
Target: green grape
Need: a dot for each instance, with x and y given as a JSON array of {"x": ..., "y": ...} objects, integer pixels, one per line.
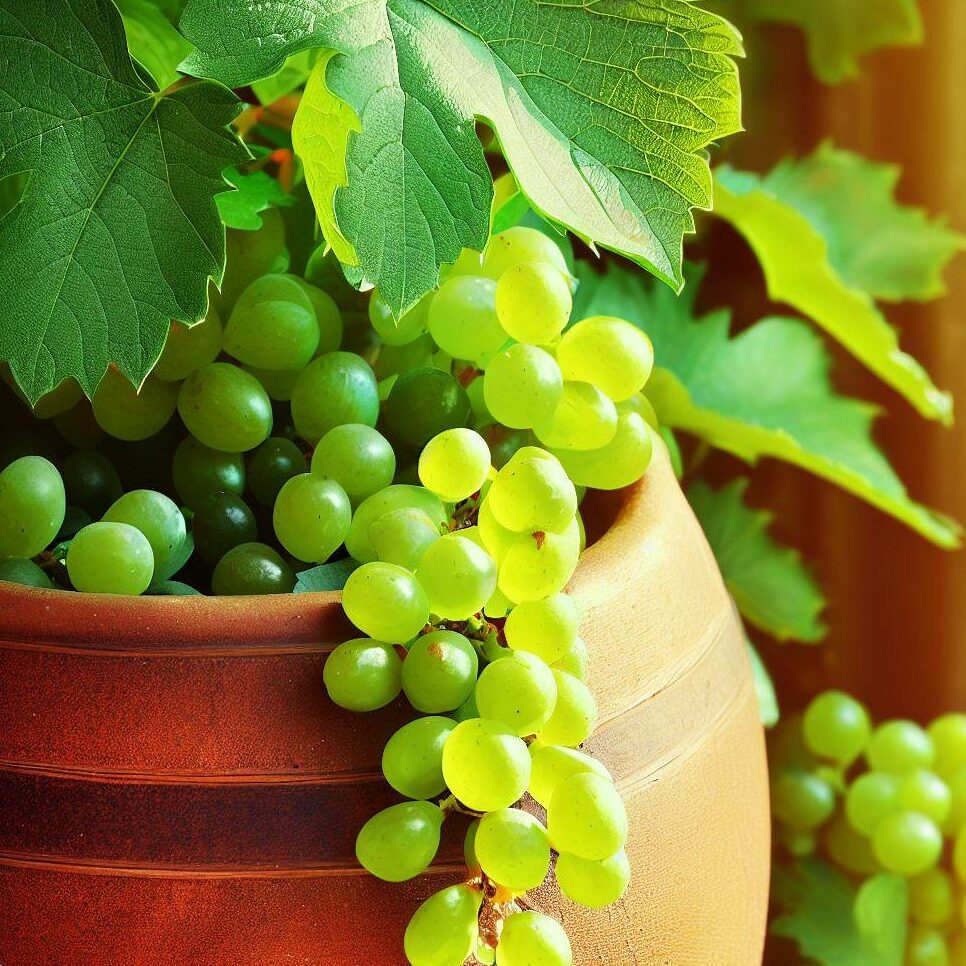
[
  {"x": 531, "y": 938},
  {"x": 610, "y": 353},
  {"x": 158, "y": 518},
  {"x": 533, "y": 302},
  {"x": 504, "y": 443},
  {"x": 222, "y": 521},
  {"x": 58, "y": 401},
  {"x": 932, "y": 901},
  {"x": 486, "y": 766},
  {"x": 394, "y": 360},
  {"x": 327, "y": 316},
  {"x": 584, "y": 419},
  {"x": 32, "y": 506},
  {"x": 796, "y": 843},
  {"x": 269, "y": 467},
  {"x": 311, "y": 517},
  {"x": 467, "y": 709},
  {"x": 458, "y": 576},
  {"x": 189, "y": 347},
  {"x": 870, "y": 798},
  {"x": 957, "y": 950},
  {"x": 593, "y": 883},
  {"x": 925, "y": 792},
  {"x": 926, "y": 947},
  {"x": 79, "y": 427},
  {"x": 907, "y": 843},
  {"x": 851, "y": 850},
  {"x": 423, "y": 403},
  {"x": 225, "y": 408},
  {"x": 533, "y": 493},
  {"x": 454, "y": 464},
  {"x": 385, "y": 602},
  {"x": 576, "y": 661},
  {"x": 496, "y": 538},
  {"x": 959, "y": 855},
  {"x": 522, "y": 386},
  {"x": 948, "y": 735},
  {"x": 399, "y": 842},
  {"x": 363, "y": 675},
  {"x": 199, "y": 470},
  {"x": 519, "y": 690},
  {"x": 272, "y": 287},
  {"x": 252, "y": 568},
  {"x": 621, "y": 462},
  {"x": 90, "y": 481},
  {"x": 402, "y": 536},
  {"x": 640, "y": 404},
  {"x": 16, "y": 570},
  {"x": 334, "y": 389},
  {"x": 278, "y": 383},
  {"x": 586, "y": 817},
  {"x": 836, "y": 727},
  {"x": 445, "y": 928},
  {"x": 518, "y": 245},
  {"x": 462, "y": 319},
  {"x": 396, "y": 497},
  {"x": 553, "y": 766},
  {"x": 957, "y": 812},
  {"x": 469, "y": 847},
  {"x": 498, "y": 605},
  {"x": 468, "y": 262},
  {"x": 513, "y": 849},
  {"x": 130, "y": 414},
  {"x": 357, "y": 457},
  {"x": 412, "y": 760},
  {"x": 481, "y": 415},
  {"x": 253, "y": 253},
  {"x": 409, "y": 327},
  {"x": 802, "y": 799},
  {"x": 900, "y": 746},
  {"x": 439, "y": 672},
  {"x": 574, "y": 714},
  {"x": 547, "y": 628},
  {"x": 534, "y": 567},
  {"x": 110, "y": 558},
  {"x": 273, "y": 335}
]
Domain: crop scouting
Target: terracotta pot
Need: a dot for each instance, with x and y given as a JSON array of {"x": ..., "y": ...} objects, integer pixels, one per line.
[{"x": 176, "y": 789}]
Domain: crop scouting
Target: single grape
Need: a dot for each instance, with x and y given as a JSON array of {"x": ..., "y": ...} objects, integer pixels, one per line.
[
  {"x": 90, "y": 481},
  {"x": 32, "y": 506},
  {"x": 640, "y": 404},
  {"x": 496, "y": 538},
  {"x": 221, "y": 522},
  {"x": 583, "y": 419},
  {"x": 457, "y": 575},
  {"x": 311, "y": 517},
  {"x": 454, "y": 464},
  {"x": 802, "y": 799},
  {"x": 948, "y": 735},
  {"x": 225, "y": 408},
  {"x": 610, "y": 353},
  {"x": 533, "y": 493},
  {"x": 522, "y": 386},
  {"x": 158, "y": 518},
  {"x": 621, "y": 462},
  {"x": 252, "y": 568},
  {"x": 422, "y": 404},
  {"x": 357, "y": 457},
  {"x": 959, "y": 855},
  {"x": 520, "y": 691},
  {"x": 518, "y": 245},
  {"x": 199, "y": 470},
  {"x": 547, "y": 627},
  {"x": 409, "y": 327},
  {"x": 574, "y": 713},
  {"x": 531, "y": 938},
  {"x": 58, "y": 401},
  {"x": 327, "y": 315},
  {"x": 363, "y": 674},
  {"x": 412, "y": 760},
  {"x": 469, "y": 847},
  {"x": 253, "y": 253},
  {"x": 836, "y": 727},
  {"x": 270, "y": 466},
  {"x": 110, "y": 558},
  {"x": 444, "y": 929},
  {"x": 481, "y": 415},
  {"x": 276, "y": 335},
  {"x": 796, "y": 843},
  {"x": 957, "y": 813},
  {"x": 554, "y": 765},
  {"x": 504, "y": 443},
  {"x": 278, "y": 383},
  {"x": 399, "y": 842},
  {"x": 586, "y": 817},
  {"x": 593, "y": 883},
  {"x": 925, "y": 792},
  {"x": 334, "y": 389},
  {"x": 396, "y": 497},
  {"x": 132, "y": 414},
  {"x": 439, "y": 672},
  {"x": 533, "y": 302},
  {"x": 870, "y": 798},
  {"x": 463, "y": 321},
  {"x": 576, "y": 661},
  {"x": 486, "y": 766},
  {"x": 393, "y": 360},
  {"x": 851, "y": 850},
  {"x": 16, "y": 570},
  {"x": 900, "y": 746},
  {"x": 466, "y": 710},
  {"x": 79, "y": 427},
  {"x": 385, "y": 602},
  {"x": 539, "y": 565},
  {"x": 513, "y": 849},
  {"x": 189, "y": 347},
  {"x": 272, "y": 287},
  {"x": 932, "y": 901},
  {"x": 907, "y": 843},
  {"x": 498, "y": 605},
  {"x": 926, "y": 947},
  {"x": 402, "y": 536}
]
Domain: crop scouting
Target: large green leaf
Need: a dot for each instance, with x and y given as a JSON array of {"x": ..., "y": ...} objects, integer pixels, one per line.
[
  {"x": 764, "y": 392},
  {"x": 769, "y": 583},
  {"x": 153, "y": 39},
  {"x": 603, "y": 110},
  {"x": 791, "y": 234}
]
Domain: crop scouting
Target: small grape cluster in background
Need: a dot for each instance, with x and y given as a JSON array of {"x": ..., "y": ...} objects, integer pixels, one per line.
[{"x": 878, "y": 799}]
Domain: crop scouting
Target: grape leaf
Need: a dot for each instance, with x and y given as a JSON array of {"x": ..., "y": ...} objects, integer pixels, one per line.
[
  {"x": 768, "y": 710},
  {"x": 836, "y": 924},
  {"x": 602, "y": 109},
  {"x": 769, "y": 583},
  {"x": 838, "y": 32},
  {"x": 325, "y": 577},
  {"x": 764, "y": 392},
  {"x": 153, "y": 40},
  {"x": 294, "y": 73},
  {"x": 256, "y": 191},
  {"x": 117, "y": 231}
]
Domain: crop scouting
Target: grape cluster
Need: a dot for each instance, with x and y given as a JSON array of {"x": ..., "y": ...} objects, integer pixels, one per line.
[
  {"x": 444, "y": 455},
  {"x": 890, "y": 798}
]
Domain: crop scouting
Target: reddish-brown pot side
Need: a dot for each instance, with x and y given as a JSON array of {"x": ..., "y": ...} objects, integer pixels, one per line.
[{"x": 177, "y": 790}]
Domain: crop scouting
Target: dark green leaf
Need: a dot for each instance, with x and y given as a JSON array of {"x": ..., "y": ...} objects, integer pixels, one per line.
[
  {"x": 326, "y": 577},
  {"x": 172, "y": 588}
]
